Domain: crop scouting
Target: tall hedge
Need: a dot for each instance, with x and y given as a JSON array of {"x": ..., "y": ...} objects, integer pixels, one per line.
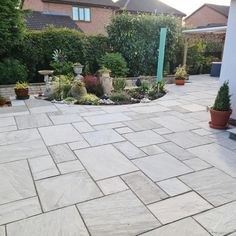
[
  {"x": 136, "y": 37},
  {"x": 37, "y": 48}
]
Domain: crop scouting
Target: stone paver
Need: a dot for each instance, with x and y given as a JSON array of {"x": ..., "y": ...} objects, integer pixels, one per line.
[
  {"x": 64, "y": 222},
  {"x": 184, "y": 227},
  {"x": 155, "y": 166},
  {"x": 144, "y": 188},
  {"x": 68, "y": 170},
  {"x": 59, "y": 134},
  {"x": 219, "y": 221},
  {"x": 118, "y": 214},
  {"x": 179, "y": 207},
  {"x": 214, "y": 185},
  {"x": 66, "y": 190},
  {"x": 104, "y": 162}
]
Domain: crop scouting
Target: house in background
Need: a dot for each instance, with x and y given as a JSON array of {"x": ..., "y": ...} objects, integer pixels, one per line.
[
  {"x": 91, "y": 16},
  {"x": 208, "y": 15}
]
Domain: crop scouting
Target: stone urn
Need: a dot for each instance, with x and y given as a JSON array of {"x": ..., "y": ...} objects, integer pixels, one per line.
[
  {"x": 47, "y": 80},
  {"x": 78, "y": 69},
  {"x": 106, "y": 81}
]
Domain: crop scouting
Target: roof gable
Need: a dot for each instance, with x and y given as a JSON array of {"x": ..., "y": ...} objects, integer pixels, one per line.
[{"x": 151, "y": 6}]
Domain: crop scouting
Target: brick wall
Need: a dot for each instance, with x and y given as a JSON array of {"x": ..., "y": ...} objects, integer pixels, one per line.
[
  {"x": 204, "y": 17},
  {"x": 100, "y": 17}
]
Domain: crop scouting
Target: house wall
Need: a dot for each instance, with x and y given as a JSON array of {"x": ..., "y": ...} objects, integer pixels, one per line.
[
  {"x": 100, "y": 17},
  {"x": 204, "y": 17}
]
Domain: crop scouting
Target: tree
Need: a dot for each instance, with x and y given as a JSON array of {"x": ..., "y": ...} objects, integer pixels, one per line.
[{"x": 11, "y": 26}]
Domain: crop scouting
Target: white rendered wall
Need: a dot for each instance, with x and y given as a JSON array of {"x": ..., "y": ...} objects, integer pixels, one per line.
[{"x": 228, "y": 71}]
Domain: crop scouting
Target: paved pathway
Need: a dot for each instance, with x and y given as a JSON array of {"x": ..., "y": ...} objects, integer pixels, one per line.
[{"x": 146, "y": 169}]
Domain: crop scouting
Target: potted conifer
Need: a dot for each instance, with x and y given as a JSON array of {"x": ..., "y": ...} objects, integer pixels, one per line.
[
  {"x": 180, "y": 75},
  {"x": 221, "y": 111}
]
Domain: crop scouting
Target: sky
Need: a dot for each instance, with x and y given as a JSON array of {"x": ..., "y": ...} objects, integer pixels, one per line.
[{"x": 189, "y": 6}]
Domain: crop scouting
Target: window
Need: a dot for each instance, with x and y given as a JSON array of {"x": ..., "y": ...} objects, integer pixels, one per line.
[{"x": 81, "y": 14}]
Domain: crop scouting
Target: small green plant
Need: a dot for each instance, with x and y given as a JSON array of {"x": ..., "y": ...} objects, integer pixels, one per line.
[
  {"x": 70, "y": 100},
  {"x": 134, "y": 93},
  {"x": 222, "y": 101},
  {"x": 120, "y": 97},
  {"x": 22, "y": 85},
  {"x": 104, "y": 70},
  {"x": 119, "y": 84},
  {"x": 161, "y": 86},
  {"x": 145, "y": 86},
  {"x": 89, "y": 99},
  {"x": 180, "y": 73},
  {"x": 77, "y": 64},
  {"x": 116, "y": 63}
]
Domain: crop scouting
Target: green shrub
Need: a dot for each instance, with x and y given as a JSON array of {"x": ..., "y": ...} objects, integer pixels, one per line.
[
  {"x": 78, "y": 89},
  {"x": 119, "y": 84},
  {"x": 222, "y": 102},
  {"x": 11, "y": 71},
  {"x": 120, "y": 97},
  {"x": 116, "y": 63},
  {"x": 135, "y": 93},
  {"x": 145, "y": 86},
  {"x": 89, "y": 99}
]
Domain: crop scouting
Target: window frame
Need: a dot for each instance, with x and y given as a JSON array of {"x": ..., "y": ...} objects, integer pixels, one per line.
[{"x": 79, "y": 8}]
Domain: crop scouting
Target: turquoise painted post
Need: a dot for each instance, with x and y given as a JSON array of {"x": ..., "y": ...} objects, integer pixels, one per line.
[{"x": 161, "y": 56}]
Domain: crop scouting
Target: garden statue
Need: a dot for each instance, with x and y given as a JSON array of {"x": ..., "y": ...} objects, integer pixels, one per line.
[
  {"x": 78, "y": 68},
  {"x": 106, "y": 81},
  {"x": 47, "y": 80}
]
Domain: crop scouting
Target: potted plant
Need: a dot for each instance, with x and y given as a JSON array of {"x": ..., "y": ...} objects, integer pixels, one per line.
[
  {"x": 180, "y": 75},
  {"x": 221, "y": 111},
  {"x": 3, "y": 100},
  {"x": 104, "y": 72},
  {"x": 22, "y": 90},
  {"x": 78, "y": 68}
]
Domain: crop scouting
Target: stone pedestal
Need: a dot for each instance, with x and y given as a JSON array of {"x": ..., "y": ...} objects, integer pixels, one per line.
[{"x": 106, "y": 82}]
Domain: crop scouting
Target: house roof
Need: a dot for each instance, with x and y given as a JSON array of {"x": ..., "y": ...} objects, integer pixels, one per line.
[
  {"x": 223, "y": 10},
  {"x": 152, "y": 6},
  {"x": 40, "y": 20},
  {"x": 101, "y": 3}
]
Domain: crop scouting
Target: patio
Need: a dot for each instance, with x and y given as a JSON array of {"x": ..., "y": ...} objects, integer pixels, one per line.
[{"x": 144, "y": 169}]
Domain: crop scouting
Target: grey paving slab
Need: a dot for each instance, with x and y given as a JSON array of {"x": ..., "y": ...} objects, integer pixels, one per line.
[
  {"x": 174, "y": 186},
  {"x": 60, "y": 134},
  {"x": 152, "y": 150},
  {"x": 109, "y": 126},
  {"x": 212, "y": 184},
  {"x": 8, "y": 128},
  {"x": 2, "y": 231},
  {"x": 62, "y": 222},
  {"x": 188, "y": 139},
  {"x": 43, "y": 109},
  {"x": 7, "y": 121},
  {"x": 219, "y": 221},
  {"x": 197, "y": 164},
  {"x": 144, "y": 188},
  {"x": 65, "y": 119},
  {"x": 117, "y": 214},
  {"x": 218, "y": 156},
  {"x": 62, "y": 153},
  {"x": 78, "y": 145},
  {"x": 162, "y": 166},
  {"x": 15, "y": 182},
  {"x": 104, "y": 162},
  {"x": 19, "y": 210},
  {"x": 184, "y": 227},
  {"x": 32, "y": 121},
  {"x": 112, "y": 185},
  {"x": 194, "y": 107},
  {"x": 65, "y": 190},
  {"x": 140, "y": 125},
  {"x": 149, "y": 109},
  {"x": 124, "y": 130},
  {"x": 162, "y": 131},
  {"x": 174, "y": 124},
  {"x": 176, "y": 151},
  {"x": 43, "y": 167},
  {"x": 102, "y": 137},
  {"x": 129, "y": 150},
  {"x": 179, "y": 207},
  {"x": 106, "y": 118},
  {"x": 70, "y": 166},
  {"x": 144, "y": 138},
  {"x": 83, "y": 127}
]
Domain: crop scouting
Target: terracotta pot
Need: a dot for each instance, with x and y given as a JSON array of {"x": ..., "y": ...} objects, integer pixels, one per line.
[
  {"x": 22, "y": 93},
  {"x": 3, "y": 101},
  {"x": 219, "y": 119},
  {"x": 180, "y": 81}
]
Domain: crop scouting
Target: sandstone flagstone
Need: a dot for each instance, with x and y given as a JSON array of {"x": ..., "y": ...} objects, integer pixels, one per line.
[
  {"x": 118, "y": 214},
  {"x": 179, "y": 207},
  {"x": 65, "y": 119},
  {"x": 104, "y": 162},
  {"x": 144, "y": 124},
  {"x": 184, "y": 227},
  {"x": 197, "y": 164},
  {"x": 65, "y": 190},
  {"x": 15, "y": 182},
  {"x": 70, "y": 166},
  {"x": 62, "y": 222}
]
